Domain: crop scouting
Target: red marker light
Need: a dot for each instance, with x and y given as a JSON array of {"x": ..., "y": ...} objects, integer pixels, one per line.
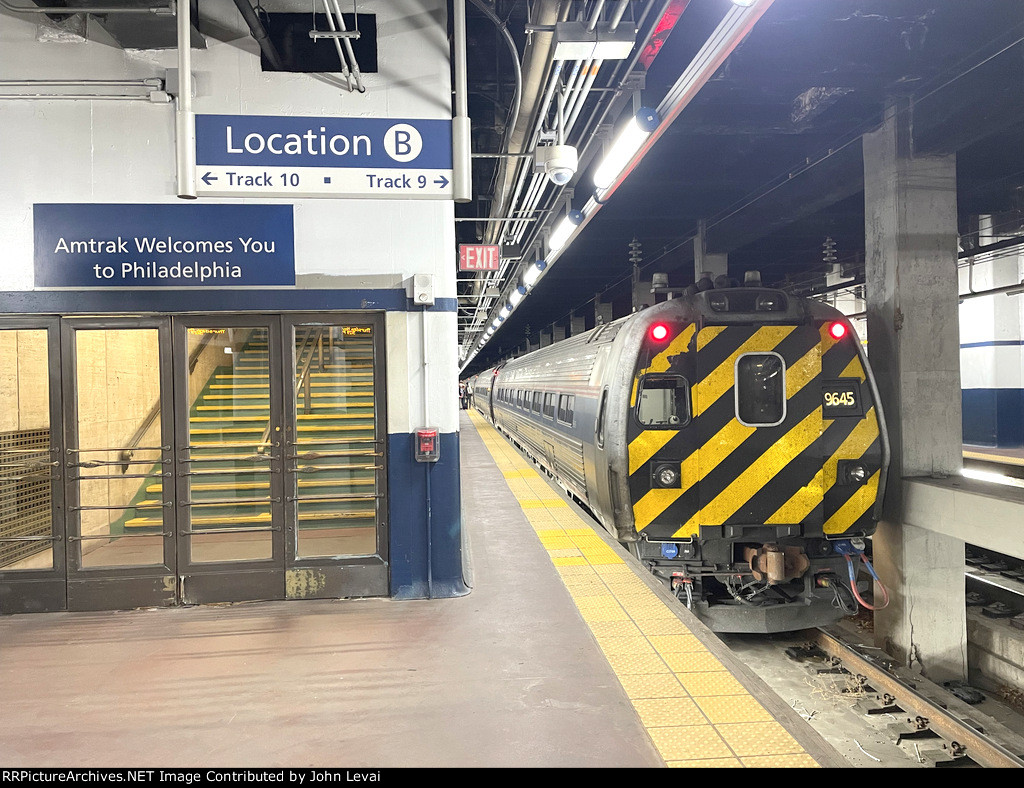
[
  {"x": 837, "y": 330},
  {"x": 659, "y": 332}
]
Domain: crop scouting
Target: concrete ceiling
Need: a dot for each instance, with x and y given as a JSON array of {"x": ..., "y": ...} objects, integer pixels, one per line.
[{"x": 768, "y": 153}]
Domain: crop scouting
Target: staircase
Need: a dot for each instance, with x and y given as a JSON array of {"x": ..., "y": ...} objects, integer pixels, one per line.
[{"x": 232, "y": 451}]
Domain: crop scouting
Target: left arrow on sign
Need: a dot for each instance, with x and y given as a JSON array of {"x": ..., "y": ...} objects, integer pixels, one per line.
[{"x": 207, "y": 178}]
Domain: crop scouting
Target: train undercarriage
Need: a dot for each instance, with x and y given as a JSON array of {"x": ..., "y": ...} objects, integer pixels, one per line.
[{"x": 746, "y": 585}]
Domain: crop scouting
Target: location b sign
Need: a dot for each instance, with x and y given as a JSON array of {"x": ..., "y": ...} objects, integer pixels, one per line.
[
  {"x": 479, "y": 257},
  {"x": 265, "y": 156}
]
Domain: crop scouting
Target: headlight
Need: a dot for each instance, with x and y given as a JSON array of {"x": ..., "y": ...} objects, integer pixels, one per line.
[
  {"x": 852, "y": 472},
  {"x": 666, "y": 475},
  {"x": 719, "y": 302}
]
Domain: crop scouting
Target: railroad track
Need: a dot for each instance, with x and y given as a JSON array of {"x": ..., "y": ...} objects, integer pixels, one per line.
[{"x": 933, "y": 726}]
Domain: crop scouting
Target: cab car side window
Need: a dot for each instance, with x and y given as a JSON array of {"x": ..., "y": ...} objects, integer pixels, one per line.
[{"x": 663, "y": 401}]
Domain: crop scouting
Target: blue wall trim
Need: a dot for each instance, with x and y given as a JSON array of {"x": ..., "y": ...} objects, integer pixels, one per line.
[
  {"x": 994, "y": 417},
  {"x": 69, "y": 302},
  {"x": 426, "y": 559},
  {"x": 994, "y": 343}
]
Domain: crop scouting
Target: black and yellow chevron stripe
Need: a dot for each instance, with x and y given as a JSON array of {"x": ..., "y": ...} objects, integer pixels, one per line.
[{"x": 737, "y": 474}]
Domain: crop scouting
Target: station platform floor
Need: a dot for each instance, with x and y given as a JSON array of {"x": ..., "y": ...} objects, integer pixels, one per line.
[{"x": 561, "y": 656}]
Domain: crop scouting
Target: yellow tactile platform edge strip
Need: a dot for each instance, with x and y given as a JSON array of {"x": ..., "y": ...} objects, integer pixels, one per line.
[{"x": 695, "y": 712}]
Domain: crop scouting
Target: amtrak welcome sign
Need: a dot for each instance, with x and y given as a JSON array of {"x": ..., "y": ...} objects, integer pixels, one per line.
[{"x": 114, "y": 245}]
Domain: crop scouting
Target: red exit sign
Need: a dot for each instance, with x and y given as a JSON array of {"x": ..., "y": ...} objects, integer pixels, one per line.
[{"x": 479, "y": 257}]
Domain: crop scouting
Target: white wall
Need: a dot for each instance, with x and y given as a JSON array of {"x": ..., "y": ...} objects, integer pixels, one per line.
[
  {"x": 123, "y": 151},
  {"x": 995, "y": 318}
]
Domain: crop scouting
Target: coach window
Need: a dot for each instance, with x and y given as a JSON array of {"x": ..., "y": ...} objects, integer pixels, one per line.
[
  {"x": 663, "y": 401},
  {"x": 549, "y": 405},
  {"x": 760, "y": 389},
  {"x": 538, "y": 398},
  {"x": 565, "y": 408}
]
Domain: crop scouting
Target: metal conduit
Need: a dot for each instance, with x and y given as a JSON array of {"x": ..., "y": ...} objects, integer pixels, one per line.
[
  {"x": 151, "y": 82},
  {"x": 620, "y": 9},
  {"x": 184, "y": 120},
  {"x": 259, "y": 33},
  {"x": 622, "y": 68},
  {"x": 578, "y": 99},
  {"x": 337, "y": 45},
  {"x": 577, "y": 93},
  {"x": 71, "y": 97},
  {"x": 469, "y": 342},
  {"x": 347, "y": 43},
  {"x": 159, "y": 10},
  {"x": 574, "y": 94},
  {"x": 520, "y": 139}
]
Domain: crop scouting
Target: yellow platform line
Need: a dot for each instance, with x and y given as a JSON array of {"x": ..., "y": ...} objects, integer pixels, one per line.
[{"x": 695, "y": 711}]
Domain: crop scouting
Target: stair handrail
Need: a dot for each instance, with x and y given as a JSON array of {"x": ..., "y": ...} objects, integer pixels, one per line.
[
  {"x": 129, "y": 451},
  {"x": 304, "y": 376}
]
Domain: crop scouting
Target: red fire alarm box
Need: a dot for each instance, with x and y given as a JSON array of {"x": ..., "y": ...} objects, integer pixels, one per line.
[{"x": 428, "y": 447}]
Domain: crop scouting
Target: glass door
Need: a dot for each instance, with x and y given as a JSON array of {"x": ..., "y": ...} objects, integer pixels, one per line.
[
  {"x": 229, "y": 457},
  {"x": 118, "y": 463},
  {"x": 32, "y": 577},
  {"x": 336, "y": 519}
]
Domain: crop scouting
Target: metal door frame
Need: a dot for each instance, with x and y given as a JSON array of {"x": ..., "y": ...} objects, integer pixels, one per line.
[
  {"x": 67, "y": 585},
  {"x": 43, "y": 590},
  {"x": 328, "y": 577},
  {"x": 128, "y": 586},
  {"x": 228, "y": 581}
]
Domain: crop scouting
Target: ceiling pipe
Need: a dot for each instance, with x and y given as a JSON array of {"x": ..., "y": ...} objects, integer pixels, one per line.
[
  {"x": 462, "y": 131},
  {"x": 621, "y": 67},
  {"x": 535, "y": 69},
  {"x": 259, "y": 32},
  {"x": 63, "y": 10},
  {"x": 184, "y": 120}
]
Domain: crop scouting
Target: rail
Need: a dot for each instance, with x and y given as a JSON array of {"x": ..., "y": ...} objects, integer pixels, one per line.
[
  {"x": 968, "y": 743},
  {"x": 312, "y": 346},
  {"x": 128, "y": 451}
]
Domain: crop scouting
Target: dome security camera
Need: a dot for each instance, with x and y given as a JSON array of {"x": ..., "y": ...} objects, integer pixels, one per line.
[{"x": 559, "y": 162}]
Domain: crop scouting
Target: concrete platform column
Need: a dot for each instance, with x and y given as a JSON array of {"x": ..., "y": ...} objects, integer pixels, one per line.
[
  {"x": 577, "y": 324},
  {"x": 544, "y": 337},
  {"x": 557, "y": 333},
  {"x": 913, "y": 346},
  {"x": 602, "y": 311}
]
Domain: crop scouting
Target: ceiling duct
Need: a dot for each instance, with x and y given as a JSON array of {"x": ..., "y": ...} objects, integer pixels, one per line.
[{"x": 127, "y": 24}]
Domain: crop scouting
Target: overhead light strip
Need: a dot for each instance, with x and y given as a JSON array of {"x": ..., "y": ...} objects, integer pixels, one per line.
[{"x": 733, "y": 28}]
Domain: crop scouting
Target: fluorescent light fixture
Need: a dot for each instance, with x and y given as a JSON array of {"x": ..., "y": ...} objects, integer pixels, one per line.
[
  {"x": 565, "y": 228},
  {"x": 517, "y": 295},
  {"x": 497, "y": 321},
  {"x": 744, "y": 3},
  {"x": 532, "y": 274},
  {"x": 505, "y": 311},
  {"x": 626, "y": 144}
]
